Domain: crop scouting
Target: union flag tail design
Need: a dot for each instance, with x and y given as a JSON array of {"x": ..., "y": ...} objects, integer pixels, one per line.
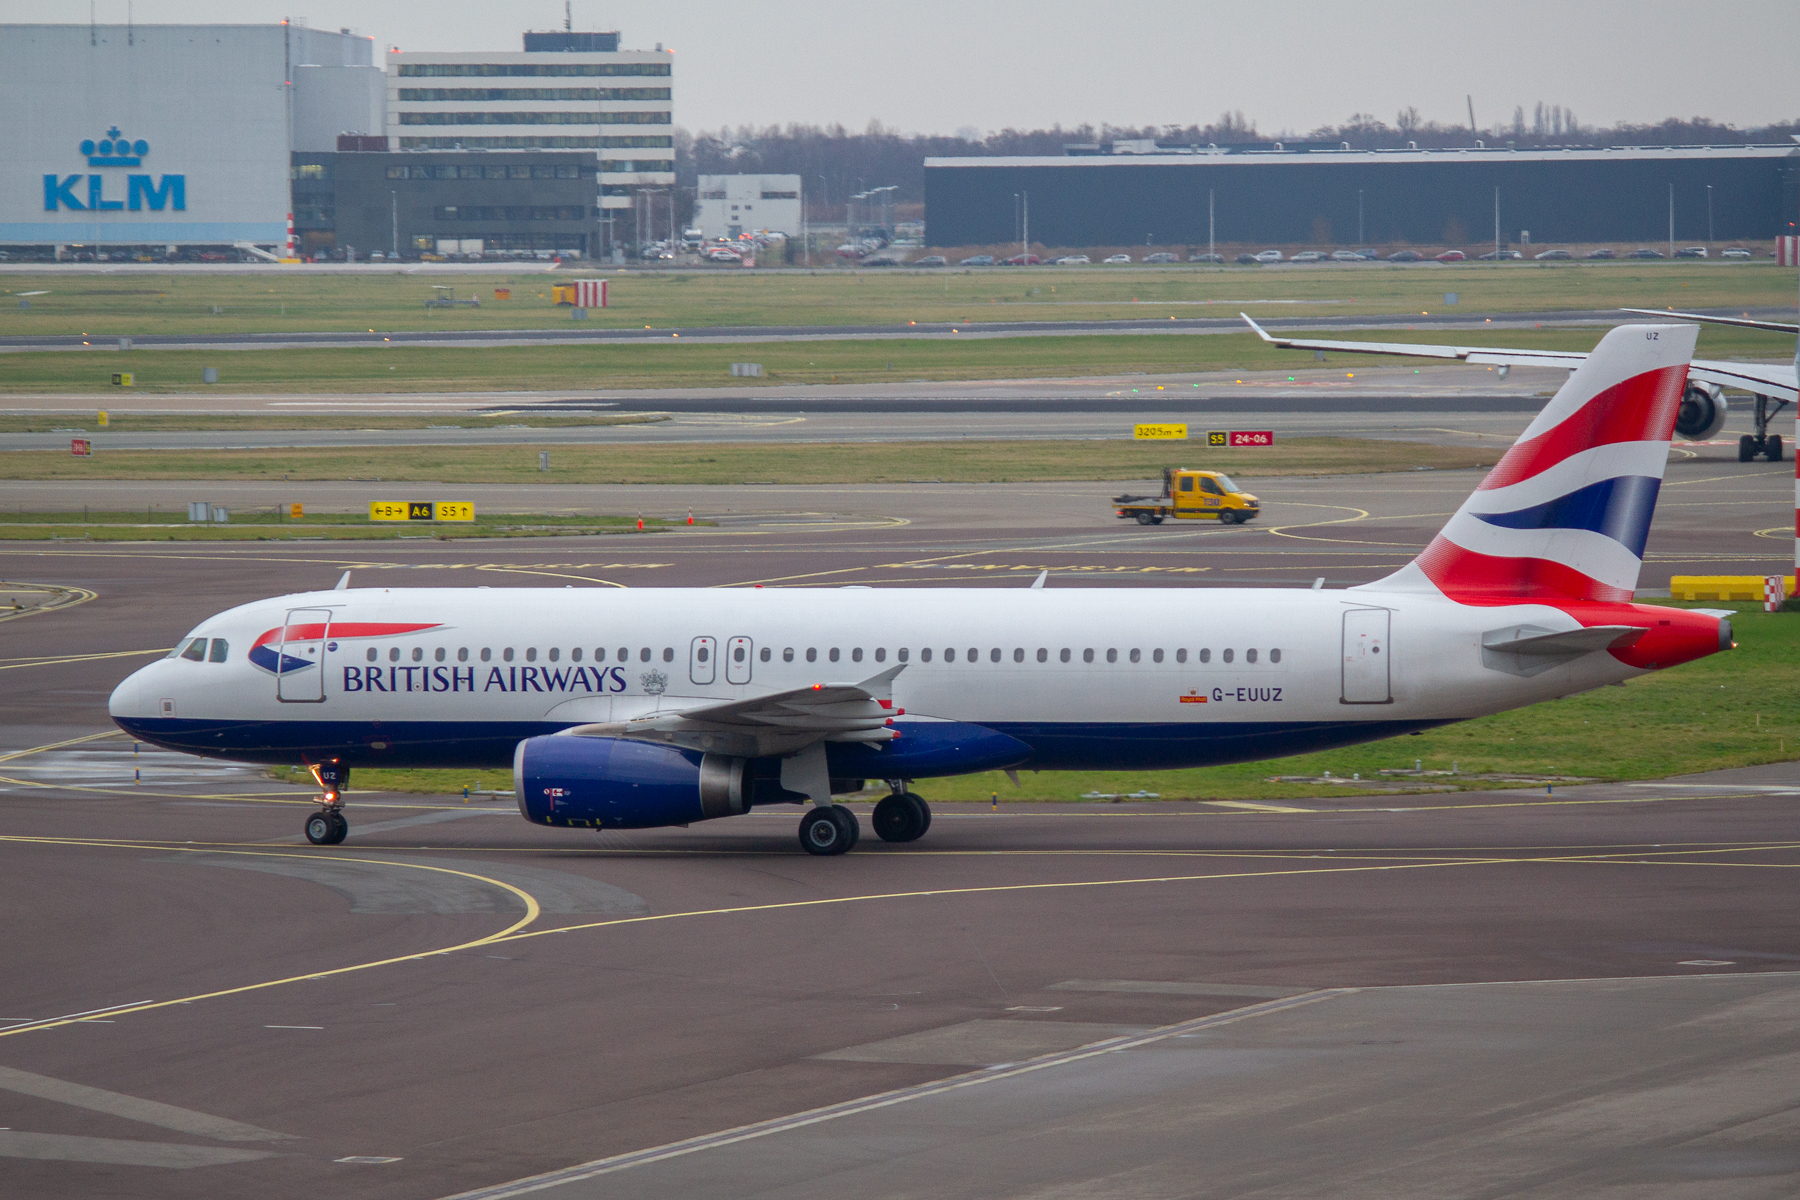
[{"x": 1564, "y": 515}]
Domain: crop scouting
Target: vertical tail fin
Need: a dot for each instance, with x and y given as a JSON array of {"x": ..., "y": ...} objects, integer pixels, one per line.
[{"x": 1564, "y": 515}]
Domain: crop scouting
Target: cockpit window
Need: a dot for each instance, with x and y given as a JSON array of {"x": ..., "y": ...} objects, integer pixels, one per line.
[
  {"x": 196, "y": 650},
  {"x": 220, "y": 650}
]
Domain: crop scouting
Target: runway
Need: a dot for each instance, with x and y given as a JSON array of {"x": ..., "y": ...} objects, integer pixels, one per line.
[
  {"x": 1592, "y": 992},
  {"x": 573, "y": 335}
]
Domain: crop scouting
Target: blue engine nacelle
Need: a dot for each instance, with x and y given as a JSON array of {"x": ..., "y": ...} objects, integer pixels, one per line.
[{"x": 617, "y": 783}]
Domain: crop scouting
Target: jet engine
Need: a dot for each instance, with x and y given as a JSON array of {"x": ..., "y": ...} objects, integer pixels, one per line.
[
  {"x": 618, "y": 783},
  {"x": 1702, "y": 412}
]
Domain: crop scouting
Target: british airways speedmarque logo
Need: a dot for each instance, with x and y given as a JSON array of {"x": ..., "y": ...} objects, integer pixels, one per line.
[
  {"x": 115, "y": 149},
  {"x": 285, "y": 649}
]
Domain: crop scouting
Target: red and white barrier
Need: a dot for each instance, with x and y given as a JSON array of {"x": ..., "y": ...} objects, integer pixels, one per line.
[
  {"x": 290, "y": 236},
  {"x": 590, "y": 293},
  {"x": 1774, "y": 592},
  {"x": 1787, "y": 250}
]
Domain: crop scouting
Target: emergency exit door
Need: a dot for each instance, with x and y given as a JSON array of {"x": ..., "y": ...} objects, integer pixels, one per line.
[
  {"x": 300, "y": 656},
  {"x": 1366, "y": 676},
  {"x": 703, "y": 660}
]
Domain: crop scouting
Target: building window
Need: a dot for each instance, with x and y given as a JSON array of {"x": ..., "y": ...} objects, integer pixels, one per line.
[
  {"x": 781, "y": 195},
  {"x": 539, "y": 70},
  {"x": 630, "y": 118}
]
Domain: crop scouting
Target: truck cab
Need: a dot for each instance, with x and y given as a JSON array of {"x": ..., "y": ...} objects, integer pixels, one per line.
[{"x": 1190, "y": 494}]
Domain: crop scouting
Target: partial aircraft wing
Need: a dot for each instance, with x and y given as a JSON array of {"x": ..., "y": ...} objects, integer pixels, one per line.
[
  {"x": 1764, "y": 379},
  {"x": 777, "y": 723}
]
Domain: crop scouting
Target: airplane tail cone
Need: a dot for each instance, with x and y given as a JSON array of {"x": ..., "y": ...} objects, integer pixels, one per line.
[{"x": 1565, "y": 513}]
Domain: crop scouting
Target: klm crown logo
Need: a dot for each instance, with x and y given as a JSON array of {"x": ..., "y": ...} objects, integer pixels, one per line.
[{"x": 115, "y": 150}]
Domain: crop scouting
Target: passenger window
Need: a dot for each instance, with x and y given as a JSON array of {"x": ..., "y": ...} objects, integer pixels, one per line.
[
  {"x": 1274, "y": 656},
  {"x": 856, "y": 654},
  {"x": 394, "y": 654},
  {"x": 643, "y": 654},
  {"x": 575, "y": 654},
  {"x": 220, "y": 648},
  {"x": 1225, "y": 656},
  {"x": 668, "y": 654},
  {"x": 1112, "y": 656},
  {"x": 737, "y": 654},
  {"x": 1043, "y": 654},
  {"x": 1206, "y": 656},
  {"x": 994, "y": 654},
  {"x": 438, "y": 654},
  {"x": 833, "y": 654},
  {"x": 925, "y": 654},
  {"x": 975, "y": 654},
  {"x": 1181, "y": 656},
  {"x": 880, "y": 654},
  {"x": 1065, "y": 654},
  {"x": 600, "y": 654},
  {"x": 812, "y": 654},
  {"x": 1156, "y": 656},
  {"x": 1249, "y": 656},
  {"x": 1136, "y": 655},
  {"x": 765, "y": 654},
  {"x": 701, "y": 654},
  {"x": 462, "y": 654},
  {"x": 196, "y": 650},
  {"x": 901, "y": 654},
  {"x": 486, "y": 654},
  {"x": 949, "y": 654},
  {"x": 787, "y": 655},
  {"x": 418, "y": 654},
  {"x": 1087, "y": 656},
  {"x": 555, "y": 654},
  {"x": 506, "y": 654},
  {"x": 531, "y": 654}
]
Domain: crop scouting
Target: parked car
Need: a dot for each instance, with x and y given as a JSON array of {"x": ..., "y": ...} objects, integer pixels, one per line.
[
  {"x": 1073, "y": 260},
  {"x": 932, "y": 260},
  {"x": 1023, "y": 260},
  {"x": 1646, "y": 252},
  {"x": 1347, "y": 256},
  {"x": 1735, "y": 252},
  {"x": 1367, "y": 253},
  {"x": 1405, "y": 256},
  {"x": 1308, "y": 256},
  {"x": 1691, "y": 252},
  {"x": 1206, "y": 258},
  {"x": 1116, "y": 258},
  {"x": 1452, "y": 256},
  {"x": 1248, "y": 258},
  {"x": 1162, "y": 256},
  {"x": 722, "y": 254},
  {"x": 1602, "y": 252},
  {"x": 978, "y": 260},
  {"x": 1552, "y": 255},
  {"x": 1267, "y": 256},
  {"x": 1500, "y": 255}
]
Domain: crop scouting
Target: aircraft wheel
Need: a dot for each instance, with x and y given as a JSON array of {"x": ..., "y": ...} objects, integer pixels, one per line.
[
  {"x": 321, "y": 830},
  {"x": 1773, "y": 453},
  {"x": 1145, "y": 518},
  {"x": 340, "y": 828},
  {"x": 847, "y": 819},
  {"x": 1746, "y": 448},
  {"x": 924, "y": 811},
  {"x": 901, "y": 817},
  {"x": 822, "y": 834}
]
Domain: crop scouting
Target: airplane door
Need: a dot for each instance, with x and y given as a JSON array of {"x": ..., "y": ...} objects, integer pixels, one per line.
[
  {"x": 300, "y": 656},
  {"x": 737, "y": 660},
  {"x": 702, "y": 654},
  {"x": 1366, "y": 679}
]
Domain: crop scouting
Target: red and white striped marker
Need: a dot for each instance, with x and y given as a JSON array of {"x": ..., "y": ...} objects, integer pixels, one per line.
[
  {"x": 290, "y": 237},
  {"x": 691, "y": 511},
  {"x": 1774, "y": 592}
]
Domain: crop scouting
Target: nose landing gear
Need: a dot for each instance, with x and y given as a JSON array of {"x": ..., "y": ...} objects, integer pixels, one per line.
[{"x": 327, "y": 827}]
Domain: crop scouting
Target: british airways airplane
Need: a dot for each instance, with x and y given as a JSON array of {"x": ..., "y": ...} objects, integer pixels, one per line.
[{"x": 658, "y": 707}]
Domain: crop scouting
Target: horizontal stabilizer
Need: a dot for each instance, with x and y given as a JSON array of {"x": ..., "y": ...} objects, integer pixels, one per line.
[{"x": 1533, "y": 640}]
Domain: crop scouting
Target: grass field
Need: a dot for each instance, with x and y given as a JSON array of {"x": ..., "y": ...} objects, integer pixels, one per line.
[
  {"x": 1730, "y": 710},
  {"x": 153, "y": 525},
  {"x": 127, "y": 422},
  {"x": 697, "y": 364},
  {"x": 825, "y": 462},
  {"x": 133, "y": 304}
]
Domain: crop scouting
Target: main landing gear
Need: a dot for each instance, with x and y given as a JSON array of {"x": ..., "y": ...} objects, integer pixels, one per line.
[
  {"x": 327, "y": 827},
  {"x": 900, "y": 817},
  {"x": 1762, "y": 443}
]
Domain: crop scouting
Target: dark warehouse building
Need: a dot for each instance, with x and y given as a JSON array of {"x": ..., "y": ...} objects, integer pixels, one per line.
[
  {"x": 462, "y": 202},
  {"x": 1323, "y": 197}
]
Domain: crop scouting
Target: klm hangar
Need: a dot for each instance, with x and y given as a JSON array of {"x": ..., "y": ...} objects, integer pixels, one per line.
[{"x": 169, "y": 135}]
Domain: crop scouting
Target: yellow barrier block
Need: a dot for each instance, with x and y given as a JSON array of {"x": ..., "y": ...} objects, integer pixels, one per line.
[{"x": 1720, "y": 587}]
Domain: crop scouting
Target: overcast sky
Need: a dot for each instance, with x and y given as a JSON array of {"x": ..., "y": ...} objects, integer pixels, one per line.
[{"x": 939, "y": 66}]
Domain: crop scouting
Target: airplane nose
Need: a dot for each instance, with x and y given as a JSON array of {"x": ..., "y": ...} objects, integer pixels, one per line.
[{"x": 135, "y": 697}]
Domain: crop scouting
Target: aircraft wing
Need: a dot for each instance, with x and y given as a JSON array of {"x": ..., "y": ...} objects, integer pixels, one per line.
[
  {"x": 1766, "y": 379},
  {"x": 776, "y": 723},
  {"x": 1744, "y": 322}
]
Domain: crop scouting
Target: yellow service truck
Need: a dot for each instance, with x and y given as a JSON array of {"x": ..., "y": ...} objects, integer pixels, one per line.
[{"x": 1191, "y": 494}]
